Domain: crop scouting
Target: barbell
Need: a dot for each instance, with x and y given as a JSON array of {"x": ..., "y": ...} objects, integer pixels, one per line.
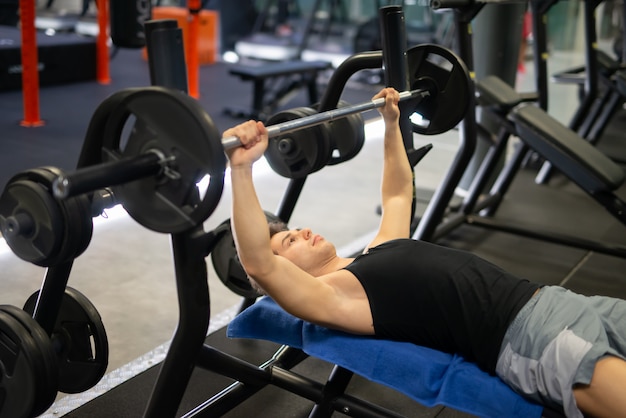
[
  {"x": 303, "y": 140},
  {"x": 154, "y": 161},
  {"x": 304, "y": 122}
]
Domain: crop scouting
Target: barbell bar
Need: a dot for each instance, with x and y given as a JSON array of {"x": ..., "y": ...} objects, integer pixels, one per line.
[
  {"x": 91, "y": 178},
  {"x": 327, "y": 116},
  {"x": 153, "y": 162}
]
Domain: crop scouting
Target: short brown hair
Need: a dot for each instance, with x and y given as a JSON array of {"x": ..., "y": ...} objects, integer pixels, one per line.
[{"x": 276, "y": 227}]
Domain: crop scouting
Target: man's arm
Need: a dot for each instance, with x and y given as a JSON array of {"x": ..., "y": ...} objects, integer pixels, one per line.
[
  {"x": 295, "y": 290},
  {"x": 397, "y": 178}
]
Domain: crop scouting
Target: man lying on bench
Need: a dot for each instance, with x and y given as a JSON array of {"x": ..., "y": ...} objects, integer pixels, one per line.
[{"x": 553, "y": 346}]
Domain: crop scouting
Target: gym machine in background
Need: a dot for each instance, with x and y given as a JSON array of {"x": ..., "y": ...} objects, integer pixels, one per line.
[
  {"x": 55, "y": 19},
  {"x": 597, "y": 81},
  {"x": 127, "y": 19},
  {"x": 518, "y": 115},
  {"x": 332, "y": 30},
  {"x": 168, "y": 174},
  {"x": 480, "y": 122}
]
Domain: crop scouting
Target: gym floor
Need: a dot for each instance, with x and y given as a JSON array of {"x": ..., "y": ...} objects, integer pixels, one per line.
[{"x": 127, "y": 271}]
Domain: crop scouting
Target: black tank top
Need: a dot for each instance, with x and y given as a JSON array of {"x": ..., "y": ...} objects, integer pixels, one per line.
[{"x": 442, "y": 298}]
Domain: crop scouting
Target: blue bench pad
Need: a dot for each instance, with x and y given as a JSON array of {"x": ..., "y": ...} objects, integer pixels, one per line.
[{"x": 428, "y": 376}]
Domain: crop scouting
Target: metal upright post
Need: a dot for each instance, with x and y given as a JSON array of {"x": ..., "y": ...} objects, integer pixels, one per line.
[
  {"x": 103, "y": 68},
  {"x": 193, "y": 323},
  {"x": 192, "y": 48},
  {"x": 30, "y": 72},
  {"x": 591, "y": 82},
  {"x": 497, "y": 36},
  {"x": 166, "y": 54},
  {"x": 539, "y": 10},
  {"x": 438, "y": 204},
  {"x": 394, "y": 43}
]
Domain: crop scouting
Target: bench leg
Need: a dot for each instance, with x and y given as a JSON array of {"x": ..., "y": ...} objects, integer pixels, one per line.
[
  {"x": 597, "y": 129},
  {"x": 312, "y": 88},
  {"x": 335, "y": 386},
  {"x": 257, "y": 99}
]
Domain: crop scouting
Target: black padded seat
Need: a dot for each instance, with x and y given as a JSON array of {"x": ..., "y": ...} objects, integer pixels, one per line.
[
  {"x": 580, "y": 161},
  {"x": 493, "y": 91},
  {"x": 251, "y": 72},
  {"x": 283, "y": 78}
]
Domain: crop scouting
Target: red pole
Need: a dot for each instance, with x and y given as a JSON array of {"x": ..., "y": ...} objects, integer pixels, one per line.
[
  {"x": 30, "y": 70},
  {"x": 193, "y": 60},
  {"x": 103, "y": 74}
]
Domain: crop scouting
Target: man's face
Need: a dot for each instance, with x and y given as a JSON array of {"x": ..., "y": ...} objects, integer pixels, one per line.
[{"x": 302, "y": 247}]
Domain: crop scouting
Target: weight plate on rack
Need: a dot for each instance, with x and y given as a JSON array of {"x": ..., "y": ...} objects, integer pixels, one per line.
[
  {"x": 226, "y": 263},
  {"x": 31, "y": 219},
  {"x": 44, "y": 361},
  {"x": 78, "y": 219},
  {"x": 174, "y": 125},
  {"x": 37, "y": 227},
  {"x": 20, "y": 363},
  {"x": 445, "y": 75},
  {"x": 79, "y": 334}
]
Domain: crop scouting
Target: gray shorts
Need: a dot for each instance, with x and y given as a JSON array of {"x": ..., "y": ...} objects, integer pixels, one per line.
[{"x": 555, "y": 341}]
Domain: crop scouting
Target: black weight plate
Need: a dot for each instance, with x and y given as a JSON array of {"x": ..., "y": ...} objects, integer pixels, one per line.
[
  {"x": 297, "y": 154},
  {"x": 176, "y": 126},
  {"x": 347, "y": 135},
  {"x": 86, "y": 221},
  {"x": 226, "y": 262},
  {"x": 79, "y": 228},
  {"x": 445, "y": 75},
  {"x": 79, "y": 222},
  {"x": 18, "y": 368},
  {"x": 46, "y": 176},
  {"x": 44, "y": 359},
  {"x": 40, "y": 241},
  {"x": 71, "y": 226},
  {"x": 79, "y": 334},
  {"x": 324, "y": 143}
]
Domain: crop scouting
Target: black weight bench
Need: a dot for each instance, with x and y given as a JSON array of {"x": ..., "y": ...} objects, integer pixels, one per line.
[
  {"x": 496, "y": 96},
  {"x": 493, "y": 92},
  {"x": 575, "y": 157},
  {"x": 604, "y": 97},
  {"x": 274, "y": 83},
  {"x": 581, "y": 162}
]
